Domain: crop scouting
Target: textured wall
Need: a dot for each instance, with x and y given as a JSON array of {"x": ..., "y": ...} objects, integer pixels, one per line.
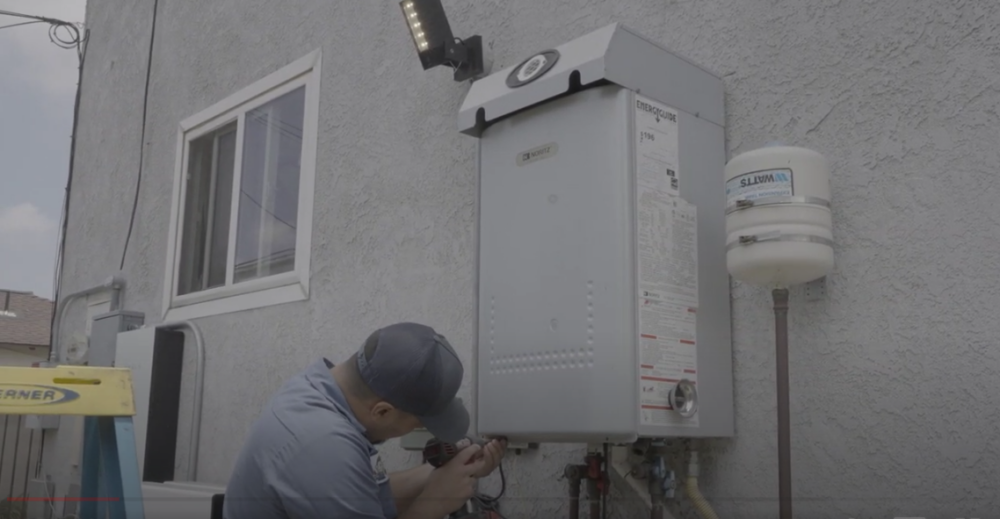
[{"x": 893, "y": 374}]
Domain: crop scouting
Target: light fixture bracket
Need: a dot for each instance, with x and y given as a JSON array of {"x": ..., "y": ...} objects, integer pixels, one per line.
[{"x": 466, "y": 57}]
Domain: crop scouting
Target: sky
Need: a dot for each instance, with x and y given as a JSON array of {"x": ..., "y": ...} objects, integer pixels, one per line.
[{"x": 37, "y": 90}]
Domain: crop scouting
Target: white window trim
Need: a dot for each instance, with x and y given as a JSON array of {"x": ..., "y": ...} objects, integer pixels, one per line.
[{"x": 272, "y": 290}]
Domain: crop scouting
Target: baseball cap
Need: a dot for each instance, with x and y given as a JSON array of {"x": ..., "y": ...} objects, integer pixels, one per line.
[{"x": 415, "y": 369}]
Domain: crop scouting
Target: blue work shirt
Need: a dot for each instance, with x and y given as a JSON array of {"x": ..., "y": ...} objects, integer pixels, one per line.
[{"x": 307, "y": 457}]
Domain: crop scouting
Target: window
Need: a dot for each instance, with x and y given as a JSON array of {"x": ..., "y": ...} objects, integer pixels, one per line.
[{"x": 240, "y": 230}]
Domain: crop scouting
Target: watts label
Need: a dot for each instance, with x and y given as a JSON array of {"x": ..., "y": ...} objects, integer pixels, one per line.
[
  {"x": 760, "y": 184},
  {"x": 31, "y": 395},
  {"x": 770, "y": 177}
]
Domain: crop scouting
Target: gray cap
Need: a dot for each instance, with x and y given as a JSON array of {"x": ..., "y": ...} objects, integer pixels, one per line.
[{"x": 414, "y": 368}]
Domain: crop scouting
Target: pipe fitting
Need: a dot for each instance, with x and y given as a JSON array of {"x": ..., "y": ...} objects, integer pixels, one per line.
[
  {"x": 574, "y": 472},
  {"x": 662, "y": 481},
  {"x": 116, "y": 280}
]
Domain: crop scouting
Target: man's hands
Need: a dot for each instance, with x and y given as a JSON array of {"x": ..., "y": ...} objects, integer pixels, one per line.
[
  {"x": 450, "y": 486},
  {"x": 491, "y": 455}
]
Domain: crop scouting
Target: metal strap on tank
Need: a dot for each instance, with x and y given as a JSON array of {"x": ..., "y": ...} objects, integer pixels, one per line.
[
  {"x": 777, "y": 200},
  {"x": 778, "y": 237}
]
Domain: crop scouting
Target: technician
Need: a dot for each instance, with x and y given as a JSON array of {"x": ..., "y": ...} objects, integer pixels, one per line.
[{"x": 311, "y": 453}]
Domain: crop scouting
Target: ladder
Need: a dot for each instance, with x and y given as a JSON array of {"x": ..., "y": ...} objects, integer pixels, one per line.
[{"x": 110, "y": 485}]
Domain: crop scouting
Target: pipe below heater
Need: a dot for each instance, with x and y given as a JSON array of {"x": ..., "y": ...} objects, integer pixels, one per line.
[
  {"x": 656, "y": 498},
  {"x": 594, "y": 496},
  {"x": 574, "y": 474},
  {"x": 780, "y": 296}
]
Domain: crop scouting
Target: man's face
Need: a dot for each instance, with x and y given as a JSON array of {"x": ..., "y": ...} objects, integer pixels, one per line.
[{"x": 386, "y": 422}]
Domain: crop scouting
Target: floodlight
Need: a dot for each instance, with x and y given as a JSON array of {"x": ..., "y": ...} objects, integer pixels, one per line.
[{"x": 435, "y": 43}]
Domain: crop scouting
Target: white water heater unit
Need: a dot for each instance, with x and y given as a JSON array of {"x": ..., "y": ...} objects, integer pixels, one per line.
[
  {"x": 778, "y": 221},
  {"x": 603, "y": 295}
]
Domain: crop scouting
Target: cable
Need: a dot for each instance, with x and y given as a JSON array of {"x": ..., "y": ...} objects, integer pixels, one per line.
[
  {"x": 74, "y": 41},
  {"x": 64, "y": 216},
  {"x": 142, "y": 136},
  {"x": 11, "y": 26},
  {"x": 492, "y": 503}
]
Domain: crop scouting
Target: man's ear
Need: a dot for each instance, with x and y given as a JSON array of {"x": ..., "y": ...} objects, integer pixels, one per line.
[{"x": 381, "y": 409}]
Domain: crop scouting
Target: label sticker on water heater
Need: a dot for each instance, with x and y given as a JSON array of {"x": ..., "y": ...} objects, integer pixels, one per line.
[
  {"x": 666, "y": 268},
  {"x": 537, "y": 153},
  {"x": 656, "y": 143},
  {"x": 760, "y": 184}
]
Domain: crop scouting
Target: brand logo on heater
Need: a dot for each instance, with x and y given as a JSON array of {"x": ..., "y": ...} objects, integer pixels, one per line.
[
  {"x": 22, "y": 395},
  {"x": 536, "y": 154}
]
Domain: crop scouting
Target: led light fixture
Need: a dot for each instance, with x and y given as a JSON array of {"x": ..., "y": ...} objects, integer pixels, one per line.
[{"x": 435, "y": 43}]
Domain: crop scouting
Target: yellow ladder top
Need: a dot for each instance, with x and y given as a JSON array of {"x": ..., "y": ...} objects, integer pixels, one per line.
[{"x": 66, "y": 390}]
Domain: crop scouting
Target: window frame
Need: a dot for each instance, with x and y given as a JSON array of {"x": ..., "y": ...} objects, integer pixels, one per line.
[{"x": 272, "y": 290}]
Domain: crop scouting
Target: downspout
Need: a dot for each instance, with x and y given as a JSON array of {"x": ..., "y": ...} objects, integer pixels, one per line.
[
  {"x": 114, "y": 283},
  {"x": 199, "y": 385}
]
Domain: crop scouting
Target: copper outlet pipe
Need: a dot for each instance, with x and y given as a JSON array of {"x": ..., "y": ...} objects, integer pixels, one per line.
[{"x": 780, "y": 296}]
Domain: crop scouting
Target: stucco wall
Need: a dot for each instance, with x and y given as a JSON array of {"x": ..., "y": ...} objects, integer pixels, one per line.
[{"x": 893, "y": 374}]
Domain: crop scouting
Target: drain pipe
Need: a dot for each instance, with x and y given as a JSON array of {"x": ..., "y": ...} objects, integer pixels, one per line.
[
  {"x": 114, "y": 283},
  {"x": 694, "y": 493},
  {"x": 199, "y": 386}
]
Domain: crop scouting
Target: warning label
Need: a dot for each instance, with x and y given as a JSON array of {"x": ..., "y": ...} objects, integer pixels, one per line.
[{"x": 667, "y": 267}]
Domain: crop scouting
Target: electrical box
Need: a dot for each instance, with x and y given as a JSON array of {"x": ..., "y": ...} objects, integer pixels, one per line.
[
  {"x": 603, "y": 294},
  {"x": 104, "y": 335},
  {"x": 156, "y": 359}
]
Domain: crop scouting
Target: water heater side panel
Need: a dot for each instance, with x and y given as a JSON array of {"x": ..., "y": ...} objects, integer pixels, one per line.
[
  {"x": 701, "y": 159},
  {"x": 556, "y": 356}
]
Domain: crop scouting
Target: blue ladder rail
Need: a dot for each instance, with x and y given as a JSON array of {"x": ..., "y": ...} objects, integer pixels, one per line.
[{"x": 111, "y": 486}]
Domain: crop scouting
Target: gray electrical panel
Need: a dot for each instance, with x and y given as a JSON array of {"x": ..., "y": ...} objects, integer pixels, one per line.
[
  {"x": 104, "y": 335},
  {"x": 603, "y": 292}
]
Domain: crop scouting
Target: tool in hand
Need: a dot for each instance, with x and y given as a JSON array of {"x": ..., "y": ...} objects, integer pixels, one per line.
[{"x": 438, "y": 453}]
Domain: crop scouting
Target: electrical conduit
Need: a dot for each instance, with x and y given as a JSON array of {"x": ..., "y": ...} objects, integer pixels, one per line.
[
  {"x": 694, "y": 494},
  {"x": 113, "y": 283}
]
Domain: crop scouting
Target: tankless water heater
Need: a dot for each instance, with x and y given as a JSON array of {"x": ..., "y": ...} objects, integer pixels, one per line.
[{"x": 602, "y": 286}]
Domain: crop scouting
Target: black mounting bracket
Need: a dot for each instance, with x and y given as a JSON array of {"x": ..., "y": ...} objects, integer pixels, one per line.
[{"x": 466, "y": 57}]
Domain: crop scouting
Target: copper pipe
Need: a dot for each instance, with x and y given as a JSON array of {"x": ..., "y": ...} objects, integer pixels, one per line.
[{"x": 780, "y": 296}]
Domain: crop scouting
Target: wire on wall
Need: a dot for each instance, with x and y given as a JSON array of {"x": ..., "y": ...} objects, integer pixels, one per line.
[{"x": 142, "y": 135}]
